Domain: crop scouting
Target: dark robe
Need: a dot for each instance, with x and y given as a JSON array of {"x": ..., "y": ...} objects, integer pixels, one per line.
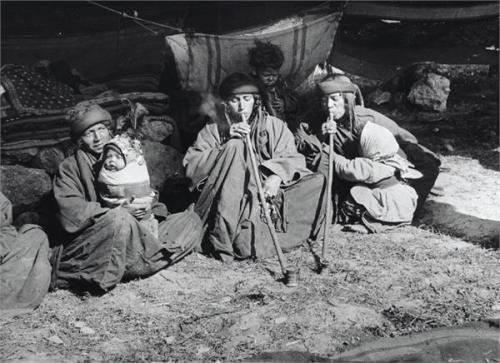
[
  {"x": 313, "y": 144},
  {"x": 104, "y": 246},
  {"x": 290, "y": 99},
  {"x": 229, "y": 202},
  {"x": 24, "y": 263}
]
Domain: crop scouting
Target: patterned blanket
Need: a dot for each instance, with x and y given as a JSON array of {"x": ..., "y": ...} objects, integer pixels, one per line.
[{"x": 30, "y": 93}]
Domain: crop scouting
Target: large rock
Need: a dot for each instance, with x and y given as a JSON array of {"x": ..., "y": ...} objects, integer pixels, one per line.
[
  {"x": 430, "y": 92},
  {"x": 164, "y": 162},
  {"x": 378, "y": 97},
  {"x": 24, "y": 187},
  {"x": 167, "y": 175},
  {"x": 21, "y": 156},
  {"x": 49, "y": 159},
  {"x": 157, "y": 129},
  {"x": 162, "y": 129}
]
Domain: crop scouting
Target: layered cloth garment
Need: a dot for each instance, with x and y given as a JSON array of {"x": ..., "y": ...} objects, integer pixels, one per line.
[
  {"x": 229, "y": 204},
  {"x": 313, "y": 144},
  {"x": 380, "y": 188},
  {"x": 105, "y": 246},
  {"x": 24, "y": 263}
]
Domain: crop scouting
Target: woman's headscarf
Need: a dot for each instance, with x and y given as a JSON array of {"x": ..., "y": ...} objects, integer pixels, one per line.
[{"x": 85, "y": 115}]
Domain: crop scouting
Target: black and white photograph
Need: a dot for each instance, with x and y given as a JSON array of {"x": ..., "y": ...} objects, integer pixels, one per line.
[{"x": 249, "y": 181}]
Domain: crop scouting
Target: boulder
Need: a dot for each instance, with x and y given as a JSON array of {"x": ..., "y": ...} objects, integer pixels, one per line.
[
  {"x": 48, "y": 159},
  {"x": 430, "y": 92},
  {"x": 157, "y": 130},
  {"x": 162, "y": 129},
  {"x": 24, "y": 187},
  {"x": 19, "y": 156},
  {"x": 164, "y": 162},
  {"x": 378, "y": 97},
  {"x": 167, "y": 175}
]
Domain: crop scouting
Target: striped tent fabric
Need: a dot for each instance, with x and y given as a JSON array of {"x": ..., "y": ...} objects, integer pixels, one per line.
[{"x": 203, "y": 60}]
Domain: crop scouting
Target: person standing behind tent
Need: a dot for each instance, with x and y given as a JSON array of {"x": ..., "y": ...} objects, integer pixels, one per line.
[
  {"x": 279, "y": 100},
  {"x": 218, "y": 165},
  {"x": 25, "y": 269},
  {"x": 102, "y": 245},
  {"x": 338, "y": 98}
]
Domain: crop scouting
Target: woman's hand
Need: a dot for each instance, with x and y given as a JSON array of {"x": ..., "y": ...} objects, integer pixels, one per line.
[
  {"x": 239, "y": 130},
  {"x": 139, "y": 208},
  {"x": 272, "y": 185}
]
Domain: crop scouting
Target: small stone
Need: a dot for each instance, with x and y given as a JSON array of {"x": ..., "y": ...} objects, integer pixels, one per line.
[
  {"x": 496, "y": 307},
  {"x": 379, "y": 97},
  {"x": 87, "y": 331},
  {"x": 202, "y": 349},
  {"x": 79, "y": 324},
  {"x": 170, "y": 339},
  {"x": 54, "y": 339},
  {"x": 280, "y": 320}
]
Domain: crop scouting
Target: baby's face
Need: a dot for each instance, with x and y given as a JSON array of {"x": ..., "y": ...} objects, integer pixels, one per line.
[{"x": 113, "y": 161}]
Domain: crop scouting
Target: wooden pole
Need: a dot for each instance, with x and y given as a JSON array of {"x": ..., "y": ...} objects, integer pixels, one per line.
[
  {"x": 263, "y": 203},
  {"x": 328, "y": 214}
]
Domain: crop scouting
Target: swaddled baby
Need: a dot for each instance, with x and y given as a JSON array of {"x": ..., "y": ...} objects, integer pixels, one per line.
[{"x": 124, "y": 177}]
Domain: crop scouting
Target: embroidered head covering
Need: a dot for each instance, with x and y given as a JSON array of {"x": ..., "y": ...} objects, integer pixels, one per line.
[
  {"x": 336, "y": 84},
  {"x": 129, "y": 148},
  {"x": 238, "y": 83}
]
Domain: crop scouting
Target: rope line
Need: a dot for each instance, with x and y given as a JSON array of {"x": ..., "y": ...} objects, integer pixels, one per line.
[{"x": 136, "y": 18}]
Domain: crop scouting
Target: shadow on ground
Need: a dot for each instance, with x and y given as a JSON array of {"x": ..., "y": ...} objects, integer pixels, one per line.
[{"x": 446, "y": 219}]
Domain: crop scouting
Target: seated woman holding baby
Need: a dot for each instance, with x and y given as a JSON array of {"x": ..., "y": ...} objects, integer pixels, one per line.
[{"x": 113, "y": 227}]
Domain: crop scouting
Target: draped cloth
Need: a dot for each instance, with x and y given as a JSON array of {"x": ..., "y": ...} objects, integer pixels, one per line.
[
  {"x": 104, "y": 246},
  {"x": 24, "y": 263},
  {"x": 385, "y": 197},
  {"x": 229, "y": 204},
  {"x": 203, "y": 60},
  {"x": 313, "y": 145}
]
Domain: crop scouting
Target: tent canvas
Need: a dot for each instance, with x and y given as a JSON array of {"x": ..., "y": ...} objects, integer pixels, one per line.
[{"x": 203, "y": 60}]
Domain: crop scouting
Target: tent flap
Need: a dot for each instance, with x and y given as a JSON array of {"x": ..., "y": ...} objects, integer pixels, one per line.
[{"x": 203, "y": 60}]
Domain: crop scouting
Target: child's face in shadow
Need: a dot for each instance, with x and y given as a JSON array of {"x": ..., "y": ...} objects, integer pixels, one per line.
[
  {"x": 113, "y": 160},
  {"x": 268, "y": 76}
]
